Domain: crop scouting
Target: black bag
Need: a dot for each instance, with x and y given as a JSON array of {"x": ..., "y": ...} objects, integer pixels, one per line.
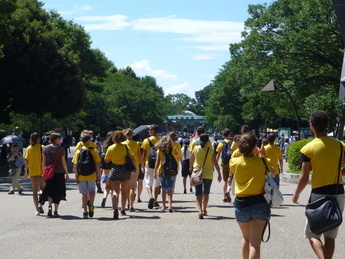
[
  {"x": 169, "y": 164},
  {"x": 152, "y": 154},
  {"x": 86, "y": 164},
  {"x": 324, "y": 214},
  {"x": 129, "y": 164},
  {"x": 104, "y": 165},
  {"x": 226, "y": 152}
]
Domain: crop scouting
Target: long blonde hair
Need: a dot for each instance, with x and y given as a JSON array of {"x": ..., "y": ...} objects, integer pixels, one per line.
[{"x": 164, "y": 144}]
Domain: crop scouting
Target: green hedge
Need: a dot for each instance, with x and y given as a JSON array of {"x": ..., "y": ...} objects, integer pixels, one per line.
[{"x": 294, "y": 154}]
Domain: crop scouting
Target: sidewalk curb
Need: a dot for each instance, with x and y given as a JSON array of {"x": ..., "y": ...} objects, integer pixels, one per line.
[{"x": 294, "y": 178}]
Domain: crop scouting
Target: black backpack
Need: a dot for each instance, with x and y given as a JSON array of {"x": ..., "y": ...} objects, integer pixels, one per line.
[
  {"x": 86, "y": 164},
  {"x": 169, "y": 164},
  {"x": 152, "y": 154},
  {"x": 104, "y": 165},
  {"x": 226, "y": 152}
]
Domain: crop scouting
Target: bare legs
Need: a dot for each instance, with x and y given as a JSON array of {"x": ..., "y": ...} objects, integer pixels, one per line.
[
  {"x": 37, "y": 183},
  {"x": 115, "y": 187},
  {"x": 324, "y": 251}
]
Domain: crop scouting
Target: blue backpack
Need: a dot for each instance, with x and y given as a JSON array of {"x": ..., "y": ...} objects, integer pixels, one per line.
[{"x": 226, "y": 152}]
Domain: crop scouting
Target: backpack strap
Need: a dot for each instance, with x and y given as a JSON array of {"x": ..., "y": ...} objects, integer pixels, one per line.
[
  {"x": 150, "y": 142},
  {"x": 263, "y": 160},
  {"x": 198, "y": 141}
]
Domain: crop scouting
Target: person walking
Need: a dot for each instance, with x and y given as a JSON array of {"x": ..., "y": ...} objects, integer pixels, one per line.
[
  {"x": 166, "y": 169},
  {"x": 16, "y": 160},
  {"x": 251, "y": 208},
  {"x": 200, "y": 154},
  {"x": 276, "y": 157},
  {"x": 135, "y": 147},
  {"x": 119, "y": 177},
  {"x": 55, "y": 189},
  {"x": 106, "y": 167},
  {"x": 185, "y": 164},
  {"x": 33, "y": 169},
  {"x": 322, "y": 155}
]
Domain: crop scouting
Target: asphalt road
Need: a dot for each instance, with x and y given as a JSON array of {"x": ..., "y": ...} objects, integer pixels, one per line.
[{"x": 146, "y": 233}]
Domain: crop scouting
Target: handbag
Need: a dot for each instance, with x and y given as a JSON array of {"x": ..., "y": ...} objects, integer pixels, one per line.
[
  {"x": 196, "y": 177},
  {"x": 324, "y": 213},
  {"x": 273, "y": 195},
  {"x": 18, "y": 163},
  {"x": 49, "y": 170},
  {"x": 129, "y": 164}
]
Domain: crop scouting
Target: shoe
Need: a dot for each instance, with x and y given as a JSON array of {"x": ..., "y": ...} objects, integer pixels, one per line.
[
  {"x": 204, "y": 213},
  {"x": 170, "y": 209},
  {"x": 155, "y": 204},
  {"x": 131, "y": 209},
  {"x": 201, "y": 216},
  {"x": 37, "y": 213},
  {"x": 91, "y": 210},
  {"x": 56, "y": 215},
  {"x": 191, "y": 189},
  {"x": 100, "y": 191},
  {"x": 151, "y": 201},
  {"x": 116, "y": 214},
  {"x": 40, "y": 208},
  {"x": 139, "y": 200},
  {"x": 85, "y": 215},
  {"x": 20, "y": 191},
  {"x": 50, "y": 213},
  {"x": 164, "y": 208},
  {"x": 103, "y": 203},
  {"x": 185, "y": 191},
  {"x": 225, "y": 200},
  {"x": 11, "y": 192},
  {"x": 228, "y": 197},
  {"x": 123, "y": 213}
]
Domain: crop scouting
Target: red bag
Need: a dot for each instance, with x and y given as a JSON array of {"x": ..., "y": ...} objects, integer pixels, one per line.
[{"x": 49, "y": 170}]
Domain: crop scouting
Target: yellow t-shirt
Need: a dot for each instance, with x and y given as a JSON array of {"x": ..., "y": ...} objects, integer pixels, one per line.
[
  {"x": 221, "y": 145},
  {"x": 324, "y": 154},
  {"x": 195, "y": 143},
  {"x": 199, "y": 157},
  {"x": 96, "y": 159},
  {"x": 249, "y": 173},
  {"x": 161, "y": 156},
  {"x": 236, "y": 153},
  {"x": 117, "y": 154},
  {"x": 274, "y": 154},
  {"x": 234, "y": 146},
  {"x": 33, "y": 155},
  {"x": 134, "y": 146},
  {"x": 80, "y": 144},
  {"x": 146, "y": 146},
  {"x": 177, "y": 151}
]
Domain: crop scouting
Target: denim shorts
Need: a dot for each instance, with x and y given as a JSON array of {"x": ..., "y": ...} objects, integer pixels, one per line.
[
  {"x": 260, "y": 211},
  {"x": 203, "y": 188},
  {"x": 167, "y": 183}
]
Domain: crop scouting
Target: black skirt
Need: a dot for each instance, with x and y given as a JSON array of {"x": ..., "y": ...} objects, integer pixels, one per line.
[
  {"x": 55, "y": 188},
  {"x": 185, "y": 168}
]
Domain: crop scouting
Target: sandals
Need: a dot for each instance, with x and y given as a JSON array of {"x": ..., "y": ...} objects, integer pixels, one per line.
[
  {"x": 204, "y": 212},
  {"x": 201, "y": 216}
]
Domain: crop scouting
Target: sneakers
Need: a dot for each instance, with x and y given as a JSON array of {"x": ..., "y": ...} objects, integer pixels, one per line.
[
  {"x": 185, "y": 191},
  {"x": 103, "y": 203},
  {"x": 20, "y": 191},
  {"x": 164, "y": 208},
  {"x": 151, "y": 201},
  {"x": 40, "y": 208},
  {"x": 191, "y": 189},
  {"x": 85, "y": 215},
  {"x": 139, "y": 200},
  {"x": 201, "y": 216},
  {"x": 123, "y": 213},
  {"x": 56, "y": 215},
  {"x": 50, "y": 213},
  {"x": 91, "y": 210},
  {"x": 170, "y": 209},
  {"x": 37, "y": 213},
  {"x": 11, "y": 192},
  {"x": 155, "y": 204},
  {"x": 116, "y": 214},
  {"x": 132, "y": 209}
]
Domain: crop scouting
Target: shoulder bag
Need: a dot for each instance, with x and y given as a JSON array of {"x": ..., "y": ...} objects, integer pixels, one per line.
[
  {"x": 129, "y": 164},
  {"x": 196, "y": 177},
  {"x": 324, "y": 213},
  {"x": 49, "y": 170}
]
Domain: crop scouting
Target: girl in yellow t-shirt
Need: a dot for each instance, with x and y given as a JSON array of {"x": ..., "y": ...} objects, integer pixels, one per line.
[
  {"x": 251, "y": 208},
  {"x": 33, "y": 169}
]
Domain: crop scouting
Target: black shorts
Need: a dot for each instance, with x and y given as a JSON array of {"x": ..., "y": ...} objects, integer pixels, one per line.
[{"x": 185, "y": 168}]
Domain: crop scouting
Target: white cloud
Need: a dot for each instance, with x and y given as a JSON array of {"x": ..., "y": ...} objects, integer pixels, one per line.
[
  {"x": 180, "y": 88},
  {"x": 86, "y": 7},
  {"x": 143, "y": 68},
  {"x": 203, "y": 56},
  {"x": 106, "y": 23}
]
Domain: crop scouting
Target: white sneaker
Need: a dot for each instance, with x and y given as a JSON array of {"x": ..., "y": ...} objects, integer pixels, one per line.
[{"x": 37, "y": 213}]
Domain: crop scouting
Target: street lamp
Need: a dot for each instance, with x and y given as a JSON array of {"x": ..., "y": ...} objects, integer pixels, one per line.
[{"x": 271, "y": 86}]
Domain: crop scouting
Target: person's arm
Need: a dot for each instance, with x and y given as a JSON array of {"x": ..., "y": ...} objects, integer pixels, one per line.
[
  {"x": 216, "y": 165},
  {"x": 10, "y": 157},
  {"x": 191, "y": 161},
  {"x": 303, "y": 181},
  {"x": 75, "y": 171},
  {"x": 158, "y": 160},
  {"x": 139, "y": 156},
  {"x": 64, "y": 165},
  {"x": 281, "y": 165},
  {"x": 98, "y": 171},
  {"x": 143, "y": 159}
]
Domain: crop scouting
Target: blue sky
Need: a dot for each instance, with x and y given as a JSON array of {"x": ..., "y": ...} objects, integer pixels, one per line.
[{"x": 183, "y": 44}]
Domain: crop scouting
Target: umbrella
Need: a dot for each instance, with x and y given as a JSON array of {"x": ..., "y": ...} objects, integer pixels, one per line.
[
  {"x": 11, "y": 139},
  {"x": 140, "y": 129}
]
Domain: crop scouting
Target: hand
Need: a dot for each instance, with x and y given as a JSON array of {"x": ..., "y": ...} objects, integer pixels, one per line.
[
  {"x": 155, "y": 176},
  {"x": 143, "y": 169},
  {"x": 26, "y": 175},
  {"x": 77, "y": 180},
  {"x": 67, "y": 177},
  {"x": 219, "y": 178},
  {"x": 295, "y": 198}
]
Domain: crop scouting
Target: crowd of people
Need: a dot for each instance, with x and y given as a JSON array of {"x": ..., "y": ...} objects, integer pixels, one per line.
[{"x": 122, "y": 164}]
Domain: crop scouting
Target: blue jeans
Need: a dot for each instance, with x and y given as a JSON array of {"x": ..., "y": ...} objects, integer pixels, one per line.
[
  {"x": 167, "y": 182},
  {"x": 260, "y": 211}
]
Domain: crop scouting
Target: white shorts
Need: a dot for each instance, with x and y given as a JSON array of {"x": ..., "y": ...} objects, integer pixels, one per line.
[
  {"x": 331, "y": 233},
  {"x": 149, "y": 178},
  {"x": 87, "y": 186}
]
